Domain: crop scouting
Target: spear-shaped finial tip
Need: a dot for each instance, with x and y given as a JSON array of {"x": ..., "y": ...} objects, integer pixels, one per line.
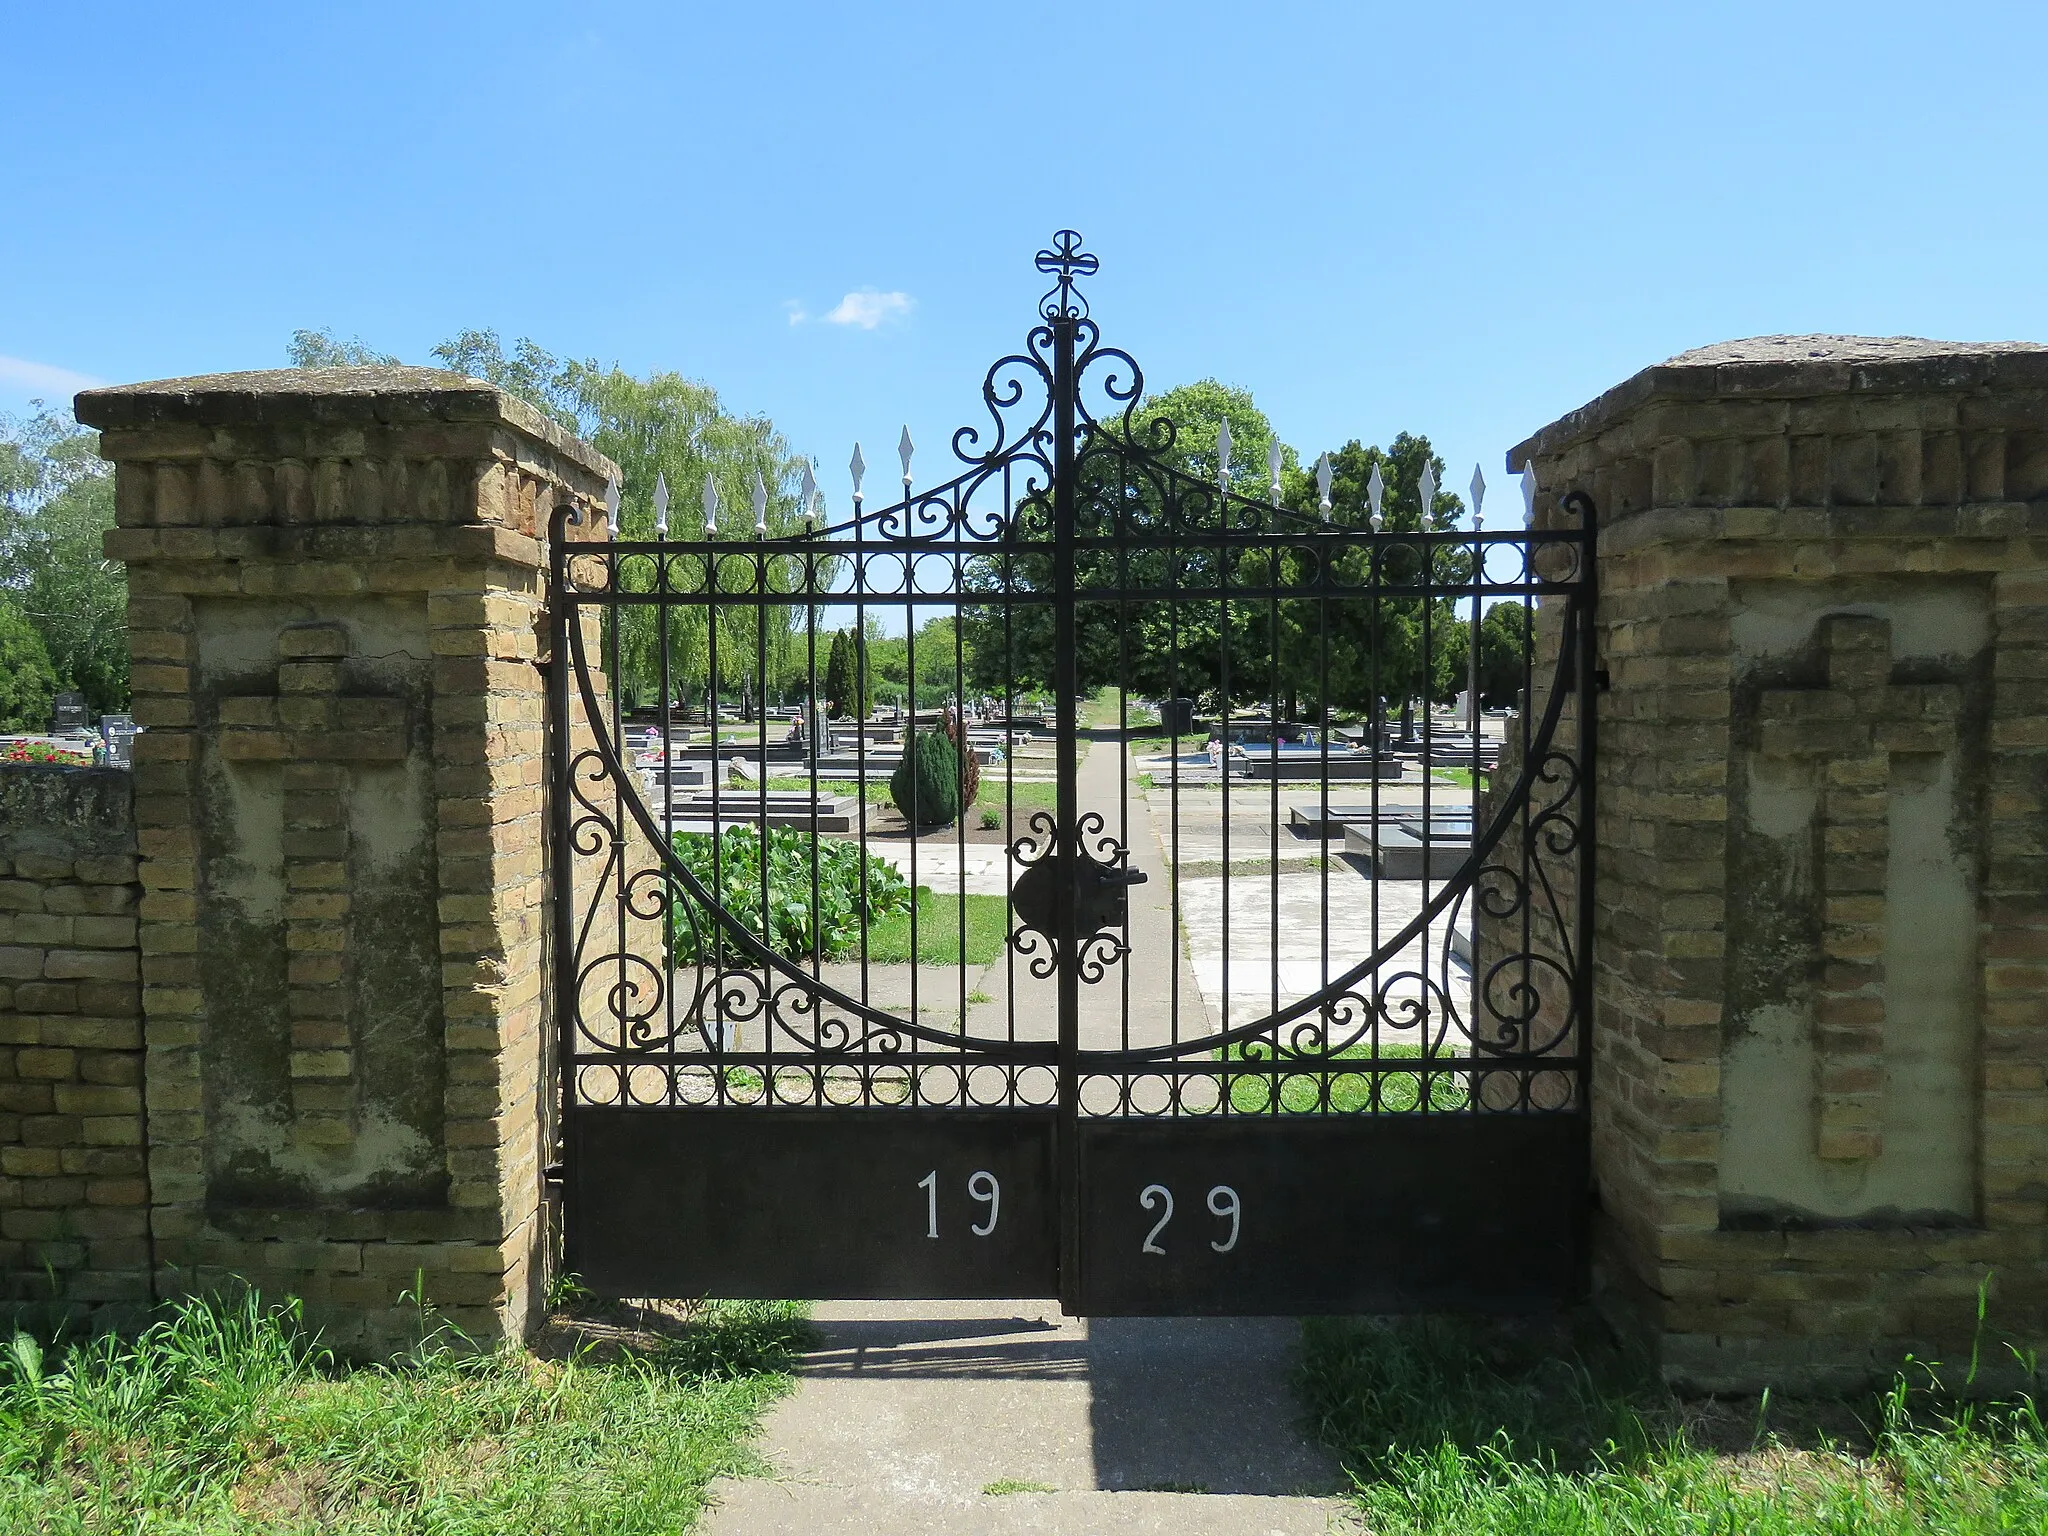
[
  {"x": 710, "y": 506},
  {"x": 1529, "y": 491},
  {"x": 1223, "y": 453},
  {"x": 760, "y": 506},
  {"x": 1323, "y": 478},
  {"x": 661, "y": 505},
  {"x": 611, "y": 506},
  {"x": 904, "y": 449},
  {"x": 1478, "y": 494},
  {"x": 859, "y": 467}
]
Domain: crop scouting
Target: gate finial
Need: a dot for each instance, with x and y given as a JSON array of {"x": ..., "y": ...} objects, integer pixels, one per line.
[{"x": 1065, "y": 259}]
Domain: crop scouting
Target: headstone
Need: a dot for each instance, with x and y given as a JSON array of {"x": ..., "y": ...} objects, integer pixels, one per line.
[
  {"x": 1177, "y": 717},
  {"x": 118, "y": 732},
  {"x": 67, "y": 714}
]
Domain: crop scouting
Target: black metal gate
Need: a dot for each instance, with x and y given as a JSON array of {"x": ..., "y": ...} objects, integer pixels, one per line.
[{"x": 1279, "y": 1009}]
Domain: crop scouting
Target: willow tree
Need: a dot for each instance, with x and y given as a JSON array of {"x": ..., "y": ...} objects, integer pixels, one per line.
[{"x": 665, "y": 426}]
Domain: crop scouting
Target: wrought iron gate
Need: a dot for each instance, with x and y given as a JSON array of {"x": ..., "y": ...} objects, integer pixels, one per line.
[{"x": 1241, "y": 1047}]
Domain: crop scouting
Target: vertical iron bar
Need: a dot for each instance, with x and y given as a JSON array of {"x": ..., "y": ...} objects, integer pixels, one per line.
[{"x": 1066, "y": 841}]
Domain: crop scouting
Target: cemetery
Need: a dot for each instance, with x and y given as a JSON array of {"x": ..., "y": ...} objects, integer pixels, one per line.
[{"x": 563, "y": 960}]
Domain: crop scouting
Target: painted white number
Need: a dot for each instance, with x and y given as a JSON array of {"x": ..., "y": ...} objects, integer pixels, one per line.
[
  {"x": 983, "y": 1187},
  {"x": 930, "y": 1185},
  {"x": 1223, "y": 1202},
  {"x": 1145, "y": 1199}
]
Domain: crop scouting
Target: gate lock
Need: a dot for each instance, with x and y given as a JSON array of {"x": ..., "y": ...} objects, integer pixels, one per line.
[{"x": 1100, "y": 894}]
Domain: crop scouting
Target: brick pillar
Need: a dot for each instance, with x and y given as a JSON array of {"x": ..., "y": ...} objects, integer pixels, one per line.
[
  {"x": 336, "y": 590},
  {"x": 1821, "y": 1027}
]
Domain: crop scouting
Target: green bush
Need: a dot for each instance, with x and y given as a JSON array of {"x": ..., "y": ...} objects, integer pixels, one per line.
[
  {"x": 790, "y": 925},
  {"x": 933, "y": 767}
]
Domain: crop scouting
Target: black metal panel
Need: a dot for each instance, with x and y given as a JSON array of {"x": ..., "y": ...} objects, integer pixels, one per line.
[
  {"x": 723, "y": 1202},
  {"x": 1372, "y": 1213}
]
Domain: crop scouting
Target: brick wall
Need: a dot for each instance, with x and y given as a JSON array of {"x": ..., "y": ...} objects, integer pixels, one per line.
[
  {"x": 74, "y": 1193},
  {"x": 1821, "y": 1067}
]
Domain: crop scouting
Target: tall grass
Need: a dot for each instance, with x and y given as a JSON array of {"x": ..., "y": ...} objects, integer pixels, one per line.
[
  {"x": 1470, "y": 1429},
  {"x": 228, "y": 1417}
]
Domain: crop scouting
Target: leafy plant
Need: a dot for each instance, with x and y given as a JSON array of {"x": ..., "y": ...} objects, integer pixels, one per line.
[
  {"x": 926, "y": 785},
  {"x": 851, "y": 891},
  {"x": 955, "y": 729}
]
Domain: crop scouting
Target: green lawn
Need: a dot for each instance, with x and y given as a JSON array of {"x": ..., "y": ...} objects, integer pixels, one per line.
[
  {"x": 224, "y": 1418},
  {"x": 1350, "y": 1092},
  {"x": 1486, "y": 1428},
  {"x": 938, "y": 931}
]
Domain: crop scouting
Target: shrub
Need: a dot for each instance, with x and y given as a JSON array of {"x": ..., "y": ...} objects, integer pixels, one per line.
[
  {"x": 791, "y": 925},
  {"x": 991, "y": 820},
  {"x": 932, "y": 767},
  {"x": 970, "y": 767}
]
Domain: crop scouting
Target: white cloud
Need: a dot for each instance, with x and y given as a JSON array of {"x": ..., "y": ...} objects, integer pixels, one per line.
[
  {"x": 43, "y": 381},
  {"x": 794, "y": 308},
  {"x": 868, "y": 308}
]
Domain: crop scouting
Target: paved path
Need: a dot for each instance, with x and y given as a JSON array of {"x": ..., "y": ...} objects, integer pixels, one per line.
[{"x": 910, "y": 1411}]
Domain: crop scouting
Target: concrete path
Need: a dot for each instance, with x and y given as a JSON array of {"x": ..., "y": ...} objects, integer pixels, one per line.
[{"x": 910, "y": 1412}]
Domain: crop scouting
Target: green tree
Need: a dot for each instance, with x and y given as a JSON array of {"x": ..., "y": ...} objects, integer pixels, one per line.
[
  {"x": 1505, "y": 632},
  {"x": 665, "y": 425},
  {"x": 56, "y": 503},
  {"x": 1159, "y": 649},
  {"x": 323, "y": 349},
  {"x": 1356, "y": 652},
  {"x": 28, "y": 683}
]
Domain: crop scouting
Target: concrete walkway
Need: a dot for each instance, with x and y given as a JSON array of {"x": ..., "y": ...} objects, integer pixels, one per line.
[{"x": 910, "y": 1412}]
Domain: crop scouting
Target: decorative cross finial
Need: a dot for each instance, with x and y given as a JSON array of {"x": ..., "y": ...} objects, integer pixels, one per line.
[{"x": 1065, "y": 260}]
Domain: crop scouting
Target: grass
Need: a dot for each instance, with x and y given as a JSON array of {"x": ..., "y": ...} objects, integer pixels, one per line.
[
  {"x": 1005, "y": 1485},
  {"x": 1450, "y": 1428},
  {"x": 938, "y": 931},
  {"x": 878, "y": 789},
  {"x": 1349, "y": 1092},
  {"x": 225, "y": 1417}
]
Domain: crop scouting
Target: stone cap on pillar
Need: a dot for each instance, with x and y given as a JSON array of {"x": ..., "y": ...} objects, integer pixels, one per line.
[
  {"x": 381, "y": 395},
  {"x": 296, "y": 448},
  {"x": 1808, "y": 420},
  {"x": 1792, "y": 367}
]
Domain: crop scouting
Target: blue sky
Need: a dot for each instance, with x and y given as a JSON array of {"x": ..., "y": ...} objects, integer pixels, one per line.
[{"x": 1461, "y": 220}]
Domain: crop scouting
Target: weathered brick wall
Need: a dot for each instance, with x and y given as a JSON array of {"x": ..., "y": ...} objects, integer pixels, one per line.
[
  {"x": 337, "y": 617},
  {"x": 74, "y": 1193},
  {"x": 1821, "y": 1054}
]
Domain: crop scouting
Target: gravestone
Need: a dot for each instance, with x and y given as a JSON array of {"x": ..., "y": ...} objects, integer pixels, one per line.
[{"x": 67, "y": 714}]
